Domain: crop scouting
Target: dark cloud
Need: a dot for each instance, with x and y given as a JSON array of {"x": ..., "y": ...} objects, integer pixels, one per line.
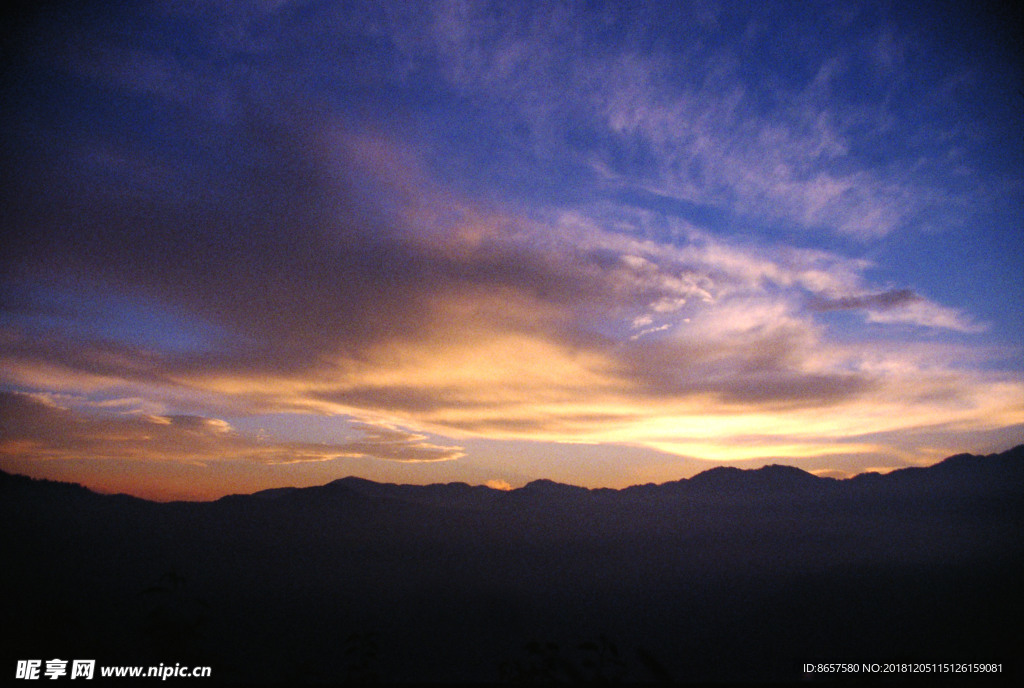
[
  {"x": 299, "y": 245},
  {"x": 289, "y": 237},
  {"x": 885, "y": 300},
  {"x": 273, "y": 249}
]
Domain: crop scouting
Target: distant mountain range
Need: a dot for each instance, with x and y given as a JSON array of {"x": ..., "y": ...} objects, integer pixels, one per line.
[
  {"x": 729, "y": 575},
  {"x": 955, "y": 473}
]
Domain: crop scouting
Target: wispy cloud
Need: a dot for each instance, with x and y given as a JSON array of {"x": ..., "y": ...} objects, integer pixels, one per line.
[
  {"x": 37, "y": 428},
  {"x": 693, "y": 124},
  {"x": 885, "y": 300},
  {"x": 900, "y": 306}
]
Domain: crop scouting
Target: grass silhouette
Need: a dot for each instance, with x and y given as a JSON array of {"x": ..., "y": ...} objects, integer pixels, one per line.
[
  {"x": 175, "y": 620},
  {"x": 594, "y": 662}
]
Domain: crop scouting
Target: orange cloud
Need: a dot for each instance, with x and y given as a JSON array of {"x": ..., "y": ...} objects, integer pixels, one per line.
[
  {"x": 36, "y": 428},
  {"x": 363, "y": 289}
]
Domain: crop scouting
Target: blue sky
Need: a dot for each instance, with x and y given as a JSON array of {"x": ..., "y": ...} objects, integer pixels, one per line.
[{"x": 270, "y": 243}]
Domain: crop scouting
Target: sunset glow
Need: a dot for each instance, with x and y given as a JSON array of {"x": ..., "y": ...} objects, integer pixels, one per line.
[{"x": 268, "y": 244}]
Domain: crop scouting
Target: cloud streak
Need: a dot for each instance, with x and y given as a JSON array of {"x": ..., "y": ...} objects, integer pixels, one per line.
[
  {"x": 697, "y": 125},
  {"x": 36, "y": 428},
  {"x": 899, "y": 306},
  {"x": 886, "y": 300}
]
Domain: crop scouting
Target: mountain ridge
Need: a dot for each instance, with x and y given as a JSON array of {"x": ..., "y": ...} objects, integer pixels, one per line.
[
  {"x": 781, "y": 478},
  {"x": 739, "y": 575}
]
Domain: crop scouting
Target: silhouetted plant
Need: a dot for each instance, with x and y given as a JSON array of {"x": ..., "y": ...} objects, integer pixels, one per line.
[
  {"x": 655, "y": 669},
  {"x": 542, "y": 663},
  {"x": 360, "y": 653},
  {"x": 304, "y": 671},
  {"x": 593, "y": 662},
  {"x": 601, "y": 661},
  {"x": 175, "y": 620}
]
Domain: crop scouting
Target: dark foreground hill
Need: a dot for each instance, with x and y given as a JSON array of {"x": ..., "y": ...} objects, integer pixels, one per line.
[{"x": 731, "y": 575}]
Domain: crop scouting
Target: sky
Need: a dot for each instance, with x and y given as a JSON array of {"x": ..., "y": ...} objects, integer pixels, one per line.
[{"x": 260, "y": 243}]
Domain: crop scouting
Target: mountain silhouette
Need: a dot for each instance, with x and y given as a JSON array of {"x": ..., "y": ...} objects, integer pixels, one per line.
[{"x": 731, "y": 575}]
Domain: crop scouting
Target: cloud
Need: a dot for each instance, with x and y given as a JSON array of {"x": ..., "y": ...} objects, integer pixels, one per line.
[
  {"x": 881, "y": 301},
  {"x": 927, "y": 314},
  {"x": 697, "y": 119},
  {"x": 37, "y": 428},
  {"x": 479, "y": 271},
  {"x": 900, "y": 306},
  {"x": 357, "y": 286}
]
